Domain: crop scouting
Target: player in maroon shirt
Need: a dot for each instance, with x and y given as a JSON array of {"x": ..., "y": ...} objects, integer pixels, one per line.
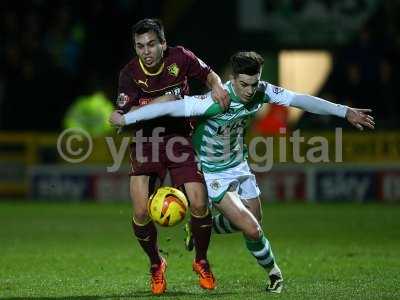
[{"x": 160, "y": 70}]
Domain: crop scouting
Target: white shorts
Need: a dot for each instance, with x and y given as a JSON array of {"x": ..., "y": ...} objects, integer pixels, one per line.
[{"x": 239, "y": 178}]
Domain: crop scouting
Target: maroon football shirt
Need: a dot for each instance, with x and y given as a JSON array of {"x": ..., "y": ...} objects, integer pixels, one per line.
[{"x": 179, "y": 65}]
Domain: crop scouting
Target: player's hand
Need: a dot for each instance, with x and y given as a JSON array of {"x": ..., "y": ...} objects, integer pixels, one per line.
[
  {"x": 219, "y": 94},
  {"x": 117, "y": 118},
  {"x": 360, "y": 117}
]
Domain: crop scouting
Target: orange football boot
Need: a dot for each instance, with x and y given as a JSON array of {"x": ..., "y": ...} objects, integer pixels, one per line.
[
  {"x": 206, "y": 277},
  {"x": 158, "y": 281}
]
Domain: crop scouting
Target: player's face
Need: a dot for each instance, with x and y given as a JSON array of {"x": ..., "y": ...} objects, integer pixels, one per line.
[
  {"x": 149, "y": 49},
  {"x": 246, "y": 85}
]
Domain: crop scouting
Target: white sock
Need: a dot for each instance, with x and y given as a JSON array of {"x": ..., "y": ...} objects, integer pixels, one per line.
[{"x": 275, "y": 271}]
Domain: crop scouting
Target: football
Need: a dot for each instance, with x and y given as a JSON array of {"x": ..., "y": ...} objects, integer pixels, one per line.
[{"x": 167, "y": 206}]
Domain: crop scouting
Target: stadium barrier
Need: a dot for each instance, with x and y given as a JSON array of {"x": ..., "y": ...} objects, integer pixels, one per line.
[
  {"x": 20, "y": 151},
  {"x": 31, "y": 167},
  {"x": 311, "y": 183},
  {"x": 331, "y": 183}
]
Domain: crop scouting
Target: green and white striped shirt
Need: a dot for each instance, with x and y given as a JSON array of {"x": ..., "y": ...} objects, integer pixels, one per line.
[{"x": 218, "y": 137}]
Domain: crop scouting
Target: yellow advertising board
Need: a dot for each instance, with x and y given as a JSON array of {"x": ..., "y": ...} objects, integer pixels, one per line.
[{"x": 20, "y": 151}]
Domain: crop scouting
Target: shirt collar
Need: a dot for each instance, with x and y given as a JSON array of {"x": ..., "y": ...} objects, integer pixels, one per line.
[
  {"x": 232, "y": 94},
  {"x": 145, "y": 71}
]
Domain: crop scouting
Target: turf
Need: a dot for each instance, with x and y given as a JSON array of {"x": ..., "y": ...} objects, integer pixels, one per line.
[{"x": 86, "y": 251}]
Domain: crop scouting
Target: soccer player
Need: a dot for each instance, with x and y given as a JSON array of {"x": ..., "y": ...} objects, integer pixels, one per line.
[
  {"x": 158, "y": 70},
  {"x": 218, "y": 142}
]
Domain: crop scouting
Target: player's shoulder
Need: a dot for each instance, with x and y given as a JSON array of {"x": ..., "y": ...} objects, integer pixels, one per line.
[
  {"x": 179, "y": 52},
  {"x": 266, "y": 87},
  {"x": 262, "y": 86},
  {"x": 179, "y": 49},
  {"x": 130, "y": 67}
]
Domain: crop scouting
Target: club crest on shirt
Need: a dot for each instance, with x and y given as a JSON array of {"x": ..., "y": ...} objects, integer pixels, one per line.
[
  {"x": 173, "y": 70},
  {"x": 122, "y": 100},
  {"x": 215, "y": 185}
]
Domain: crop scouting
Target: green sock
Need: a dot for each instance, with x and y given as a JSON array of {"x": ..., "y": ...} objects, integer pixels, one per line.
[
  {"x": 221, "y": 225},
  {"x": 262, "y": 251}
]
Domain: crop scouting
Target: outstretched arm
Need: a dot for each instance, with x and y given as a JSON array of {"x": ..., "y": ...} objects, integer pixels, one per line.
[
  {"x": 124, "y": 99},
  {"x": 188, "y": 107},
  {"x": 355, "y": 116}
]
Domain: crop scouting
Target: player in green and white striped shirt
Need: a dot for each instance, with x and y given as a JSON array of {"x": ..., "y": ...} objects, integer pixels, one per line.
[{"x": 218, "y": 140}]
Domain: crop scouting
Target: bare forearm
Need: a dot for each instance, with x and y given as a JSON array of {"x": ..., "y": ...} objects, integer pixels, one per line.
[{"x": 213, "y": 80}]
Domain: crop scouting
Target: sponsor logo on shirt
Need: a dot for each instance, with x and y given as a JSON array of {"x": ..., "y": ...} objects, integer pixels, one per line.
[
  {"x": 122, "y": 100},
  {"x": 142, "y": 82},
  {"x": 200, "y": 97},
  {"x": 173, "y": 70},
  {"x": 277, "y": 90},
  {"x": 144, "y": 101},
  {"x": 176, "y": 91}
]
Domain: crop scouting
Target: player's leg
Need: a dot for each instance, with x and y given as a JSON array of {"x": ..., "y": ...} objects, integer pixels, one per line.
[
  {"x": 221, "y": 225},
  {"x": 254, "y": 206},
  {"x": 188, "y": 176},
  {"x": 234, "y": 210},
  {"x": 200, "y": 218},
  {"x": 248, "y": 192},
  {"x": 143, "y": 227},
  {"x": 141, "y": 185},
  {"x": 275, "y": 275},
  {"x": 200, "y": 226},
  {"x": 146, "y": 232}
]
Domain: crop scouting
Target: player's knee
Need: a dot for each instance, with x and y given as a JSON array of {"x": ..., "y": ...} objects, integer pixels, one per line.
[
  {"x": 198, "y": 208},
  {"x": 254, "y": 232},
  {"x": 198, "y": 204},
  {"x": 197, "y": 196},
  {"x": 140, "y": 215}
]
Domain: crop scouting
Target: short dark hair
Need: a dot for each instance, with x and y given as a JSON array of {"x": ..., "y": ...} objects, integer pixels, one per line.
[
  {"x": 246, "y": 62},
  {"x": 146, "y": 25}
]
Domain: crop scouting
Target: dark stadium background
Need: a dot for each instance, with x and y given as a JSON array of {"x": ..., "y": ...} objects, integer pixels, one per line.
[
  {"x": 37, "y": 74},
  {"x": 324, "y": 219}
]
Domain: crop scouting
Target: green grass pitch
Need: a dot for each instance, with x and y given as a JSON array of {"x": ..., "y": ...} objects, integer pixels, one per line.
[{"x": 86, "y": 251}]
